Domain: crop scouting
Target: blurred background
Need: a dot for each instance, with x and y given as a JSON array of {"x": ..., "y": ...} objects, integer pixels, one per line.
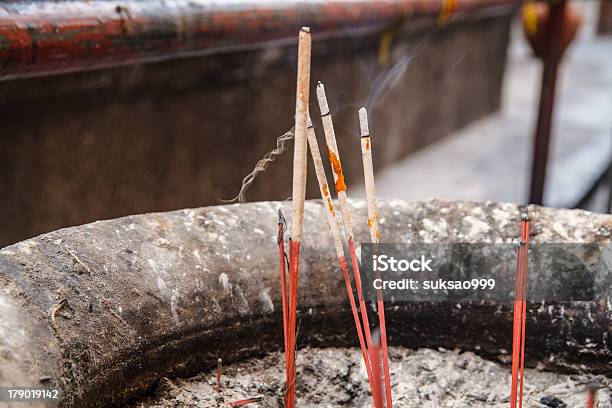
[{"x": 113, "y": 108}]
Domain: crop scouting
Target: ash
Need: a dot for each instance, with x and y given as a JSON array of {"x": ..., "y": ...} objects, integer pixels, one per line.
[{"x": 421, "y": 378}]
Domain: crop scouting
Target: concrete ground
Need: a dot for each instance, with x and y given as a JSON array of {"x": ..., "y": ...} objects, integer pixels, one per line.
[{"x": 491, "y": 159}]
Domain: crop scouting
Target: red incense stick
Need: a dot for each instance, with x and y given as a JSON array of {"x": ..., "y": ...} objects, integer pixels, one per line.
[
  {"x": 283, "y": 273},
  {"x": 243, "y": 402},
  {"x": 524, "y": 303},
  {"x": 376, "y": 374},
  {"x": 520, "y": 315},
  {"x": 298, "y": 197},
  {"x": 590, "y": 397},
  {"x": 335, "y": 233},
  {"x": 218, "y": 386},
  {"x": 345, "y": 211}
]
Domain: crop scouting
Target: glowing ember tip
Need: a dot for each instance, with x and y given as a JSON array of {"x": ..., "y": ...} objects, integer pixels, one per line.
[{"x": 363, "y": 122}]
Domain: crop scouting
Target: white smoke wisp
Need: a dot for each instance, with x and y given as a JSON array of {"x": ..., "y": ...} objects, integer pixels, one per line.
[{"x": 386, "y": 81}]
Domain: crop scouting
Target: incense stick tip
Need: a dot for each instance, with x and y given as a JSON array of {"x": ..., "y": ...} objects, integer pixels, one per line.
[
  {"x": 363, "y": 122},
  {"x": 322, "y": 98},
  {"x": 305, "y": 29},
  {"x": 281, "y": 217}
]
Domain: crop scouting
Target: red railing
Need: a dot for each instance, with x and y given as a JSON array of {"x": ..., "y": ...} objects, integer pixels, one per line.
[{"x": 47, "y": 37}]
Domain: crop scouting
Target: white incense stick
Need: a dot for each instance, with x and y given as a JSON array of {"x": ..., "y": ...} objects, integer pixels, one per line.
[
  {"x": 334, "y": 158},
  {"x": 300, "y": 144},
  {"x": 373, "y": 224},
  {"x": 324, "y": 188},
  {"x": 298, "y": 197},
  {"x": 368, "y": 173},
  {"x": 334, "y": 230}
]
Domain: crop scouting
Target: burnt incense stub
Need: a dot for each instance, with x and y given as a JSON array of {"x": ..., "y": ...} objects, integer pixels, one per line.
[{"x": 104, "y": 310}]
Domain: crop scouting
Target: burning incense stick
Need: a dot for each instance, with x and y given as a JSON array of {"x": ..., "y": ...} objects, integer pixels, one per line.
[
  {"x": 368, "y": 173},
  {"x": 298, "y": 196},
  {"x": 335, "y": 233},
  {"x": 345, "y": 211},
  {"x": 520, "y": 314}
]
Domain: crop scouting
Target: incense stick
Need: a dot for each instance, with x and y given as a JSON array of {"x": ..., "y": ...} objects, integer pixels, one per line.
[
  {"x": 373, "y": 224},
  {"x": 243, "y": 402},
  {"x": 300, "y": 143},
  {"x": 515, "y": 330},
  {"x": 520, "y": 314},
  {"x": 219, "y": 363},
  {"x": 518, "y": 320},
  {"x": 591, "y": 391},
  {"x": 525, "y": 239},
  {"x": 377, "y": 383},
  {"x": 368, "y": 173},
  {"x": 336, "y": 238},
  {"x": 283, "y": 273},
  {"x": 345, "y": 211},
  {"x": 298, "y": 197}
]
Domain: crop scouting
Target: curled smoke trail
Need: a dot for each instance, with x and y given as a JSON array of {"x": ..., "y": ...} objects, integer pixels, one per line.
[
  {"x": 381, "y": 86},
  {"x": 262, "y": 165},
  {"x": 386, "y": 81}
]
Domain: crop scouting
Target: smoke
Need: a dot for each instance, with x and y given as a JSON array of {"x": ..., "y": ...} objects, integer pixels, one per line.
[
  {"x": 262, "y": 165},
  {"x": 382, "y": 82},
  {"x": 386, "y": 81}
]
